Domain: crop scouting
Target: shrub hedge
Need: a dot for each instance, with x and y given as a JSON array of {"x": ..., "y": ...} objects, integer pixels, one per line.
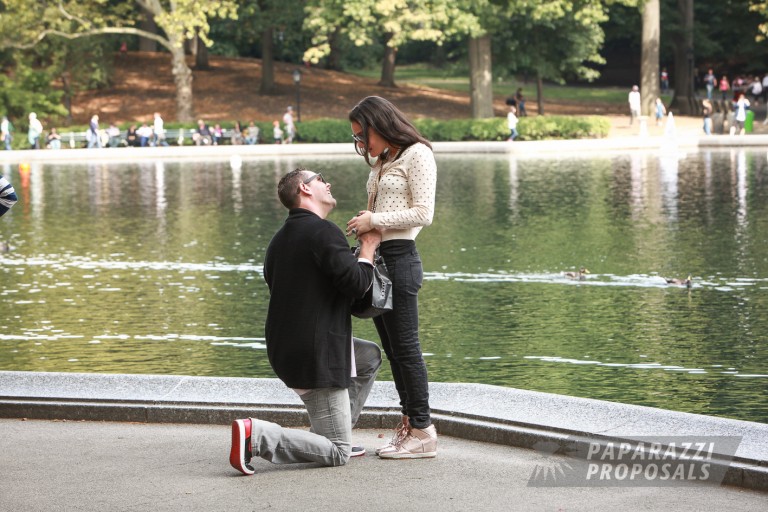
[
  {"x": 529, "y": 128},
  {"x": 494, "y": 129}
]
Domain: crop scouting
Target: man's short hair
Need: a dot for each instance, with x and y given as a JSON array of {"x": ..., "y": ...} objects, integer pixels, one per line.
[{"x": 288, "y": 187}]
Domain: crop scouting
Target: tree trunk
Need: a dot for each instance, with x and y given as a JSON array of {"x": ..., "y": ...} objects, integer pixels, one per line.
[
  {"x": 649, "y": 59},
  {"x": 682, "y": 80},
  {"x": 182, "y": 77},
  {"x": 66, "y": 87},
  {"x": 480, "y": 76},
  {"x": 190, "y": 46},
  {"x": 539, "y": 93},
  {"x": 334, "y": 56},
  {"x": 201, "y": 57},
  {"x": 148, "y": 24},
  {"x": 267, "y": 62},
  {"x": 388, "y": 64}
]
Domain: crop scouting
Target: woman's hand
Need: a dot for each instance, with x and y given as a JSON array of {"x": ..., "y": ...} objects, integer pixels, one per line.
[{"x": 359, "y": 224}]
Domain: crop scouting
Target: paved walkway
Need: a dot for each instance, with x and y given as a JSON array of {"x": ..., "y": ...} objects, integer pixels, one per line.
[
  {"x": 161, "y": 442},
  {"x": 94, "y": 466}
]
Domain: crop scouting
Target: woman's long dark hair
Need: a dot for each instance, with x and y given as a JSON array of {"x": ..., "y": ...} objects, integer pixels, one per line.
[{"x": 386, "y": 119}]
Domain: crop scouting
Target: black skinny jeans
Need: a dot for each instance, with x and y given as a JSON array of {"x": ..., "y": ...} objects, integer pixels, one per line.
[{"x": 399, "y": 330}]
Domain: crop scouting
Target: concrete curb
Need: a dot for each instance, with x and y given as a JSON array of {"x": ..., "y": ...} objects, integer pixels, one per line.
[{"x": 477, "y": 412}]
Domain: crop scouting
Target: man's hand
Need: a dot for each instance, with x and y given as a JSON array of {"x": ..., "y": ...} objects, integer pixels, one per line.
[{"x": 369, "y": 241}]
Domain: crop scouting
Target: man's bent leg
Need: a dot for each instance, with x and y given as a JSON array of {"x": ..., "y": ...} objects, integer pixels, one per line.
[
  {"x": 330, "y": 442},
  {"x": 330, "y": 417}
]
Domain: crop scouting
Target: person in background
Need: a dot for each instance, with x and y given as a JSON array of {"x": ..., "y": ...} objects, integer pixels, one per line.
[
  {"x": 401, "y": 201},
  {"x": 53, "y": 140},
  {"x": 756, "y": 90},
  {"x": 312, "y": 278},
  {"x": 290, "y": 128},
  {"x": 765, "y": 97},
  {"x": 512, "y": 123},
  {"x": 218, "y": 135},
  {"x": 664, "y": 80},
  {"x": 742, "y": 104},
  {"x": 737, "y": 86},
  {"x": 237, "y": 134},
  {"x": 35, "y": 131},
  {"x": 709, "y": 82},
  {"x": 158, "y": 131},
  {"x": 7, "y": 196},
  {"x": 93, "y": 136},
  {"x": 6, "y": 133},
  {"x": 706, "y": 111},
  {"x": 202, "y": 136},
  {"x": 724, "y": 87},
  {"x": 252, "y": 135},
  {"x": 520, "y": 100},
  {"x": 131, "y": 136},
  {"x": 765, "y": 90},
  {"x": 661, "y": 111},
  {"x": 634, "y": 104},
  {"x": 277, "y": 133},
  {"x": 113, "y": 132},
  {"x": 145, "y": 135}
]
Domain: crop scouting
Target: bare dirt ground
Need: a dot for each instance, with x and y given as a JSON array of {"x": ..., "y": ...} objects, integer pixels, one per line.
[
  {"x": 229, "y": 90},
  {"x": 143, "y": 84}
]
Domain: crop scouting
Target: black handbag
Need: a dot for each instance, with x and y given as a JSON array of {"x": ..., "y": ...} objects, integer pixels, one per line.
[{"x": 378, "y": 299}]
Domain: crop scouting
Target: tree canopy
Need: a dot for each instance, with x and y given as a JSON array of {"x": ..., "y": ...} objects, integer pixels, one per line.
[
  {"x": 25, "y": 24},
  {"x": 390, "y": 22},
  {"x": 559, "y": 40}
]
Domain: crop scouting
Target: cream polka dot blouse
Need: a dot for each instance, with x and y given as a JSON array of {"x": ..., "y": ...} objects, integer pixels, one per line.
[{"x": 404, "y": 192}]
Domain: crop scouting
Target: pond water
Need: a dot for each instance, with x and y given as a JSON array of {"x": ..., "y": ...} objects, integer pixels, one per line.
[{"x": 155, "y": 267}]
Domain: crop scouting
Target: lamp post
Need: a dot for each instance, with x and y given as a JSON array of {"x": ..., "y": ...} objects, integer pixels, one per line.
[{"x": 297, "y": 81}]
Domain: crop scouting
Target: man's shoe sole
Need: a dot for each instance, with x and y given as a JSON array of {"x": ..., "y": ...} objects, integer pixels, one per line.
[{"x": 237, "y": 452}]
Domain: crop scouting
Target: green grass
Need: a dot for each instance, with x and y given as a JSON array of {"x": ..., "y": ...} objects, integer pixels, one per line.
[
  {"x": 422, "y": 75},
  {"x": 457, "y": 80}
]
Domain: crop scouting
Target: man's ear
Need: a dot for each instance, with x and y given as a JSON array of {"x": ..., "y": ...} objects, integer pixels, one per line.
[{"x": 305, "y": 189}]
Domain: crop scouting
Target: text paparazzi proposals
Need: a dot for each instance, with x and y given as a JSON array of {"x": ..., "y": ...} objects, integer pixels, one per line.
[{"x": 641, "y": 461}]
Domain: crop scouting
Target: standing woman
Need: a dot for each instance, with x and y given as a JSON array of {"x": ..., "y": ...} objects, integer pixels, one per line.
[
  {"x": 401, "y": 201},
  {"x": 724, "y": 86}
]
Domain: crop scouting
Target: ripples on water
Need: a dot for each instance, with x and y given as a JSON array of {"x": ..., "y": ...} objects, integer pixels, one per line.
[{"x": 167, "y": 278}]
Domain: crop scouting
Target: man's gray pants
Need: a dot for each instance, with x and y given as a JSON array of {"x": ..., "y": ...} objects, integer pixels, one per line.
[{"x": 332, "y": 414}]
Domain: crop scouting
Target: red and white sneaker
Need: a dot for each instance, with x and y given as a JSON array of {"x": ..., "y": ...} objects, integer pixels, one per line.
[{"x": 240, "y": 454}]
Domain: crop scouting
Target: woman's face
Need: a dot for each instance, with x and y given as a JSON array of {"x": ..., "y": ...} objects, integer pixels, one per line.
[{"x": 376, "y": 143}]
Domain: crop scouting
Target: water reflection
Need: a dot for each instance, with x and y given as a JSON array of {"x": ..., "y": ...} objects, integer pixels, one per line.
[{"x": 156, "y": 268}]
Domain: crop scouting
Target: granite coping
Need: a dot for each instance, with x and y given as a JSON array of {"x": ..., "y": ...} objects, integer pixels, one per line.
[{"x": 463, "y": 404}]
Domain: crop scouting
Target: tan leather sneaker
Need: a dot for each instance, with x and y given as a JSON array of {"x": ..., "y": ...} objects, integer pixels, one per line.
[
  {"x": 417, "y": 444},
  {"x": 400, "y": 432}
]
